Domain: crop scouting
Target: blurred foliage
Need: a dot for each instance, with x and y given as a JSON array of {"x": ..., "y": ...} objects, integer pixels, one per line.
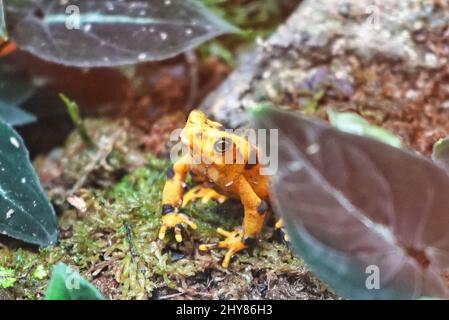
[
  {"x": 257, "y": 18},
  {"x": 7, "y": 278},
  {"x": 348, "y": 184}
]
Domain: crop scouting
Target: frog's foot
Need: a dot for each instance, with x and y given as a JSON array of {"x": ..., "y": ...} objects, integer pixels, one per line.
[
  {"x": 234, "y": 242},
  {"x": 174, "y": 220},
  {"x": 280, "y": 231},
  {"x": 204, "y": 193}
]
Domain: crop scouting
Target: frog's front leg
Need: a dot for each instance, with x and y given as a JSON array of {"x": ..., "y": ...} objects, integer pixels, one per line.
[
  {"x": 172, "y": 200},
  {"x": 242, "y": 237},
  {"x": 204, "y": 193}
]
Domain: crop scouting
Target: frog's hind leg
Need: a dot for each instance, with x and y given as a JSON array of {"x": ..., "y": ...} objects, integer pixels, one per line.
[
  {"x": 204, "y": 193},
  {"x": 242, "y": 237},
  {"x": 234, "y": 242}
]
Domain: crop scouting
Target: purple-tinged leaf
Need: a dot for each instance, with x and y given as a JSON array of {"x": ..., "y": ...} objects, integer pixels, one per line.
[
  {"x": 371, "y": 220},
  {"x": 94, "y": 33}
]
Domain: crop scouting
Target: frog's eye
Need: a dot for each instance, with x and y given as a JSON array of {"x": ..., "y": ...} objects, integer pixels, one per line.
[{"x": 222, "y": 145}]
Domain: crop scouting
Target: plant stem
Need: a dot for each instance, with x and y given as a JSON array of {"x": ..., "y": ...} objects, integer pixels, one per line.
[{"x": 74, "y": 113}]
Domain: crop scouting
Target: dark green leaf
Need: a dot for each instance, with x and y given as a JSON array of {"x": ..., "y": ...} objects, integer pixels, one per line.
[
  {"x": 3, "y": 30},
  {"x": 25, "y": 212},
  {"x": 122, "y": 32},
  {"x": 15, "y": 116},
  {"x": 354, "y": 206},
  {"x": 67, "y": 284}
]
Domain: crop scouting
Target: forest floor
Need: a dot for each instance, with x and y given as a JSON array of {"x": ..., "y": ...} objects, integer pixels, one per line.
[
  {"x": 108, "y": 199},
  {"x": 109, "y": 203}
]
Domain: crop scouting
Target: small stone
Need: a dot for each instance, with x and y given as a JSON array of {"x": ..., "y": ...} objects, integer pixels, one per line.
[
  {"x": 431, "y": 60},
  {"x": 78, "y": 203},
  {"x": 445, "y": 105}
]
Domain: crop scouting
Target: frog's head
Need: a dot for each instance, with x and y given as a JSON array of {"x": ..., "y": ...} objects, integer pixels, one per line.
[{"x": 209, "y": 140}]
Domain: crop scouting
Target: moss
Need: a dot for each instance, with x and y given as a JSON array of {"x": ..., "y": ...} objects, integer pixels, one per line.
[
  {"x": 7, "y": 278},
  {"x": 120, "y": 228},
  {"x": 115, "y": 244}
]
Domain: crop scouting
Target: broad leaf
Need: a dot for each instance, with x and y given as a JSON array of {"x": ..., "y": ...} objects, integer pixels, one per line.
[
  {"x": 440, "y": 152},
  {"x": 15, "y": 116},
  {"x": 3, "y": 30},
  {"x": 67, "y": 284},
  {"x": 25, "y": 212},
  {"x": 90, "y": 33},
  {"x": 353, "y": 123},
  {"x": 358, "y": 210}
]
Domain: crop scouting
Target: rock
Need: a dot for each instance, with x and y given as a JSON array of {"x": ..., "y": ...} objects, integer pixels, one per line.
[{"x": 369, "y": 54}]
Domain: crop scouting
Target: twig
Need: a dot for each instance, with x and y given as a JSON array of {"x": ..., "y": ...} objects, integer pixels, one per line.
[
  {"x": 174, "y": 295},
  {"x": 194, "y": 78},
  {"x": 129, "y": 237},
  {"x": 105, "y": 147}
]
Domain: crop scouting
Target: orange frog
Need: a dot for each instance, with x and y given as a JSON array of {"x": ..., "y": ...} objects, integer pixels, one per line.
[{"x": 229, "y": 163}]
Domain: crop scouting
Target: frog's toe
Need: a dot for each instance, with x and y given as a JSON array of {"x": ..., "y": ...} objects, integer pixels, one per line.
[
  {"x": 280, "y": 233},
  {"x": 174, "y": 221},
  {"x": 234, "y": 242},
  {"x": 178, "y": 235},
  {"x": 162, "y": 232},
  {"x": 204, "y": 193}
]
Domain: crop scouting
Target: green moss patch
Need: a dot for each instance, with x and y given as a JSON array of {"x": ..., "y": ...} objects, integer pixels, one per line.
[{"x": 114, "y": 244}]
